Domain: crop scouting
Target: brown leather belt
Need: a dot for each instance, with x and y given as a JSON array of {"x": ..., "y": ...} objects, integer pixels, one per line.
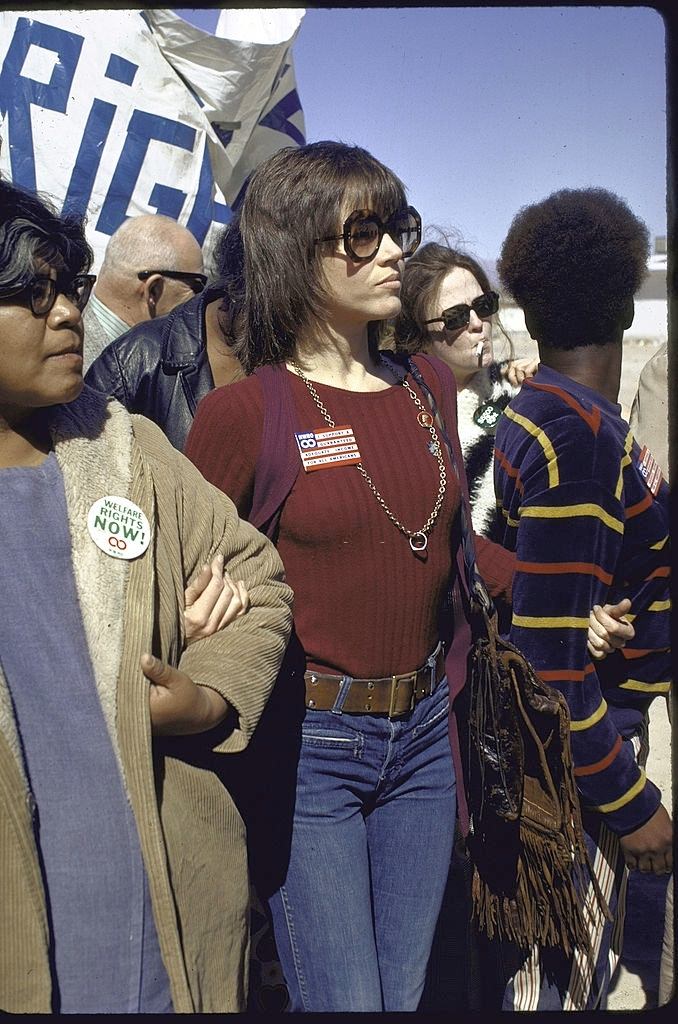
[{"x": 392, "y": 695}]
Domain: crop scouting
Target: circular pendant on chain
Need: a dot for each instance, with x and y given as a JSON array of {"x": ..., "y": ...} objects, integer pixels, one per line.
[
  {"x": 425, "y": 419},
  {"x": 489, "y": 413},
  {"x": 419, "y": 542}
]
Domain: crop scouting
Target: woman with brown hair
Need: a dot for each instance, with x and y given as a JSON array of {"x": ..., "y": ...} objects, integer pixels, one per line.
[
  {"x": 450, "y": 309},
  {"x": 330, "y": 446}
]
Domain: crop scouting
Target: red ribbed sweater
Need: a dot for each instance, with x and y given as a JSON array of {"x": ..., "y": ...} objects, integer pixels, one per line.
[{"x": 365, "y": 605}]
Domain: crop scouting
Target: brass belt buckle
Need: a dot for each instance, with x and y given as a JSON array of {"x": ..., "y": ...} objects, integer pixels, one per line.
[{"x": 396, "y": 682}]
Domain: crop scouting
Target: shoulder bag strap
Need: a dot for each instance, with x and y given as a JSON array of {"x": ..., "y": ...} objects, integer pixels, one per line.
[{"x": 474, "y": 581}]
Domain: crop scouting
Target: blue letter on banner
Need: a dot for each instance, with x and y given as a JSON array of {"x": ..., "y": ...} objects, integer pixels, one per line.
[
  {"x": 142, "y": 129},
  {"x": 17, "y": 92}
]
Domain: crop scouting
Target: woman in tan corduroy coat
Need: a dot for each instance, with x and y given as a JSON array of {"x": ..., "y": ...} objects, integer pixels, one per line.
[{"x": 169, "y": 719}]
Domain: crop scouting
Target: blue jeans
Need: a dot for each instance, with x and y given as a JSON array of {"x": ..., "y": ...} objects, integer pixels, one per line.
[{"x": 371, "y": 845}]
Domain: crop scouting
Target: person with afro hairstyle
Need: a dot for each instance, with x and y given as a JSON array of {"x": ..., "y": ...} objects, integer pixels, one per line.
[
  {"x": 585, "y": 509},
  {"x": 450, "y": 310}
]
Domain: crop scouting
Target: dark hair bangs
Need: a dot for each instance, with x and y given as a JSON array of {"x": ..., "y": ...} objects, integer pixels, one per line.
[
  {"x": 376, "y": 189},
  {"x": 341, "y": 178},
  {"x": 295, "y": 198}
]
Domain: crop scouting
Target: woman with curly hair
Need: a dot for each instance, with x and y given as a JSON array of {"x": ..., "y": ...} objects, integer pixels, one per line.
[{"x": 585, "y": 509}]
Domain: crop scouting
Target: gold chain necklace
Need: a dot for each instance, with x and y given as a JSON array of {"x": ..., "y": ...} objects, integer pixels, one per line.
[{"x": 418, "y": 538}]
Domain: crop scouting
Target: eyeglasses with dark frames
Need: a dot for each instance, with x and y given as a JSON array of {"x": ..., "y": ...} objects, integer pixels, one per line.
[
  {"x": 196, "y": 282},
  {"x": 41, "y": 291},
  {"x": 364, "y": 230},
  {"x": 459, "y": 316}
]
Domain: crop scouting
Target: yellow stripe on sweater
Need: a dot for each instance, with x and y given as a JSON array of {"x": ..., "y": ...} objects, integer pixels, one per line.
[
  {"x": 638, "y": 684},
  {"x": 542, "y": 439},
  {"x": 509, "y": 521},
  {"x": 553, "y": 622},
  {"x": 585, "y": 723},
  {"x": 569, "y": 511},
  {"x": 626, "y": 798}
]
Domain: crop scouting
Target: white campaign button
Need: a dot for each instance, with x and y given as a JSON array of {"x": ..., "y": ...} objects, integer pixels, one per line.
[{"x": 118, "y": 527}]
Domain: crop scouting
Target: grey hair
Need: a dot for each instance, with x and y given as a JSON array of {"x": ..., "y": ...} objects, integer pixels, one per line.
[
  {"x": 31, "y": 231},
  {"x": 145, "y": 242}
]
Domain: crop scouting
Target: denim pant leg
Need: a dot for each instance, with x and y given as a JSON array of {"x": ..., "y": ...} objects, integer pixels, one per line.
[
  {"x": 410, "y": 837},
  {"x": 322, "y": 914},
  {"x": 372, "y": 839}
]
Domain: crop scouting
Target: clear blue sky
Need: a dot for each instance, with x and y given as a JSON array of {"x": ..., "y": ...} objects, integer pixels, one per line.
[{"x": 483, "y": 109}]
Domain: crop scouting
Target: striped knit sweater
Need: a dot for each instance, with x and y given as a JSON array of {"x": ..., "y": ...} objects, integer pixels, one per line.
[{"x": 587, "y": 529}]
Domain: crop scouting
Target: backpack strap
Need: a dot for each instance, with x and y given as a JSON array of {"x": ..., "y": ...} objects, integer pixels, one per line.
[{"x": 278, "y": 463}]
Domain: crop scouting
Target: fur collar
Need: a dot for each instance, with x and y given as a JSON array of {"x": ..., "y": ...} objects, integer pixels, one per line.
[
  {"x": 486, "y": 385},
  {"x": 477, "y": 443},
  {"x": 93, "y": 446}
]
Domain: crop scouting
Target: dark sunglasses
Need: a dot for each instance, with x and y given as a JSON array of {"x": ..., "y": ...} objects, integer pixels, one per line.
[
  {"x": 364, "y": 230},
  {"x": 195, "y": 281},
  {"x": 459, "y": 316},
  {"x": 41, "y": 291}
]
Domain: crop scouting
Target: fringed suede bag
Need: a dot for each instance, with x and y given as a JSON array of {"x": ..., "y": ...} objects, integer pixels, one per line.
[{"x": 526, "y": 841}]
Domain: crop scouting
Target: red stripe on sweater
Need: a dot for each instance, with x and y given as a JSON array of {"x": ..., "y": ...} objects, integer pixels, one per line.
[
  {"x": 592, "y": 419},
  {"x": 508, "y": 469},
  {"x": 663, "y": 571},
  {"x": 635, "y": 510},
  {"x": 640, "y": 652},
  {"x": 556, "y": 568},
  {"x": 599, "y": 766},
  {"x": 571, "y": 674}
]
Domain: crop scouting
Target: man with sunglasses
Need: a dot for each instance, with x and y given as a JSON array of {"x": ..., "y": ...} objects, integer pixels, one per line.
[
  {"x": 162, "y": 367},
  {"x": 151, "y": 264}
]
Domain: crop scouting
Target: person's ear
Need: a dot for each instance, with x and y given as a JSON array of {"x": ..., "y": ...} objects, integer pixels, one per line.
[
  {"x": 531, "y": 326},
  {"x": 628, "y": 313},
  {"x": 153, "y": 289}
]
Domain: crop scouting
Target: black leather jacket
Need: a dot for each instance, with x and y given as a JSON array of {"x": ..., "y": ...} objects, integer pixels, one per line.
[{"x": 159, "y": 368}]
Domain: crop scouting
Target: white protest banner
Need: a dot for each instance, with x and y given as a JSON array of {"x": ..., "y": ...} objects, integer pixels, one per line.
[
  {"x": 243, "y": 75},
  {"x": 114, "y": 113}
]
